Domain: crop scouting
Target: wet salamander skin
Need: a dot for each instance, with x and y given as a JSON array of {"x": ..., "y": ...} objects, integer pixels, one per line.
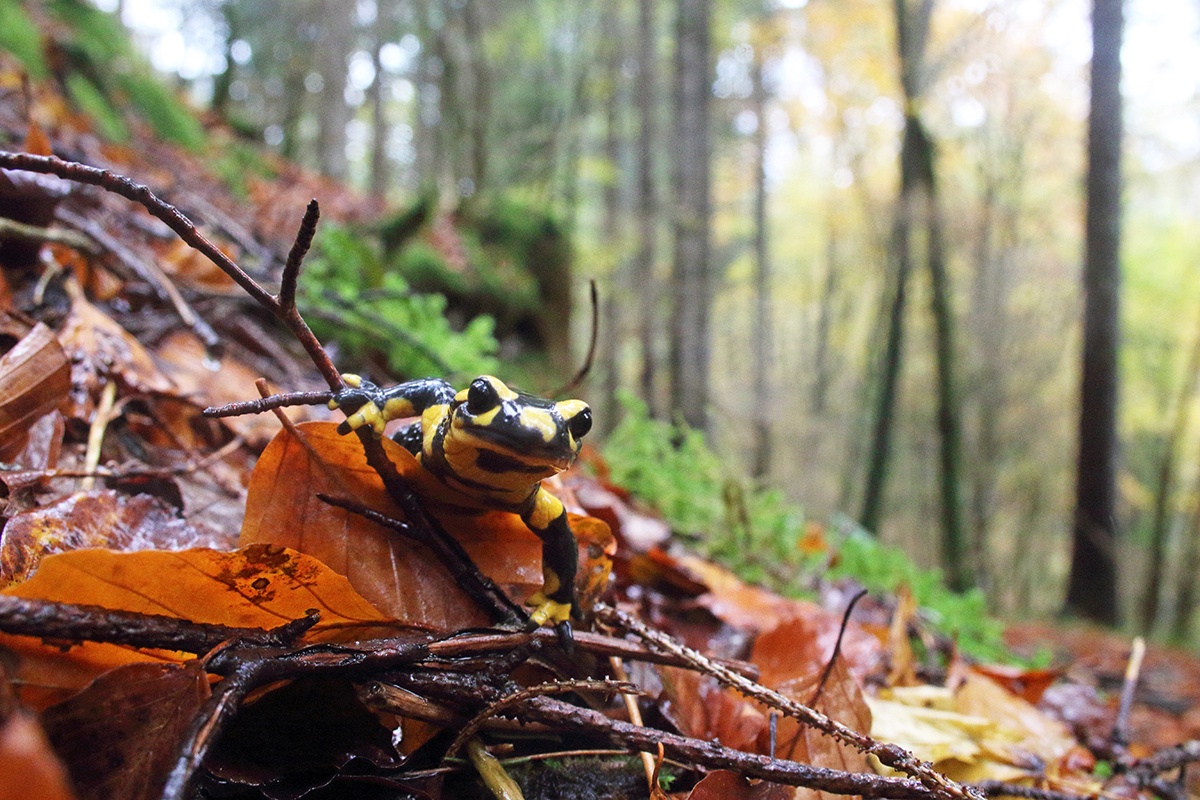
[{"x": 494, "y": 444}]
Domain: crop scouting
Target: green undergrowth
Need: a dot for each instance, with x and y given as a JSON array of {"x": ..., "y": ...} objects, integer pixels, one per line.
[
  {"x": 350, "y": 296},
  {"x": 757, "y": 532}
]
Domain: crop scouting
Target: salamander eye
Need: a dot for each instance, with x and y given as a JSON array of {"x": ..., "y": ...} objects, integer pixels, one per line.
[
  {"x": 481, "y": 397},
  {"x": 580, "y": 424}
]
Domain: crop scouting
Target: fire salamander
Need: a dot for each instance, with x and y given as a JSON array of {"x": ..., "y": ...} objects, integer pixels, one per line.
[{"x": 495, "y": 445}]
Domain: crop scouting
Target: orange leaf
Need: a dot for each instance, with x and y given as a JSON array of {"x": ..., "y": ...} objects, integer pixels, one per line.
[
  {"x": 28, "y": 766},
  {"x": 403, "y": 579},
  {"x": 258, "y": 586},
  {"x": 183, "y": 357}
]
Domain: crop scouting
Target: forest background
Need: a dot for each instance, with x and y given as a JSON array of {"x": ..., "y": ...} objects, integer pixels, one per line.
[{"x": 575, "y": 114}]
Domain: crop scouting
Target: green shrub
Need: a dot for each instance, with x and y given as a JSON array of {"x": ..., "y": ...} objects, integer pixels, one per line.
[
  {"x": 349, "y": 297},
  {"x": 756, "y": 532}
]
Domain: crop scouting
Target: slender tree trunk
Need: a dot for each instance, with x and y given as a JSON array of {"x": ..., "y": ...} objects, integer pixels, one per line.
[
  {"x": 764, "y": 321},
  {"x": 1161, "y": 525},
  {"x": 334, "y": 46},
  {"x": 1092, "y": 588},
  {"x": 224, "y": 79},
  {"x": 1188, "y": 594},
  {"x": 380, "y": 173},
  {"x": 885, "y": 403},
  {"x": 481, "y": 95},
  {"x": 955, "y": 556},
  {"x": 612, "y": 331},
  {"x": 822, "y": 371},
  {"x": 691, "y": 278},
  {"x": 646, "y": 205}
]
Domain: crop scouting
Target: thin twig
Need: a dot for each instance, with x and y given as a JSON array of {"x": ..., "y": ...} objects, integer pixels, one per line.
[
  {"x": 891, "y": 755},
  {"x": 1006, "y": 789},
  {"x": 1133, "y": 671},
  {"x": 592, "y": 340},
  {"x": 69, "y": 622},
  {"x": 143, "y": 270},
  {"x": 556, "y": 687},
  {"x": 33, "y": 234},
  {"x": 274, "y": 401},
  {"x": 291, "y": 270},
  {"x": 187, "y": 231},
  {"x": 837, "y": 649}
]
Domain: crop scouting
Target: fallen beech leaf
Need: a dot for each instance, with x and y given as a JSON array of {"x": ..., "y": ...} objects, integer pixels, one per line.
[
  {"x": 978, "y": 732},
  {"x": 1028, "y": 684},
  {"x": 402, "y": 579},
  {"x": 96, "y": 344},
  {"x": 120, "y": 736},
  {"x": 260, "y": 586},
  {"x": 183, "y": 357},
  {"x": 40, "y": 453},
  {"x": 189, "y": 267},
  {"x": 34, "y": 380},
  {"x": 792, "y": 661},
  {"x": 29, "y": 767},
  {"x": 725, "y": 785},
  {"x": 842, "y": 700},
  {"x": 102, "y": 518},
  {"x": 1038, "y": 735},
  {"x": 698, "y": 706}
]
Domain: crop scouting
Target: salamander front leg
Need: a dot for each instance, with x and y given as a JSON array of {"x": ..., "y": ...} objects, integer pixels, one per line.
[{"x": 560, "y": 561}]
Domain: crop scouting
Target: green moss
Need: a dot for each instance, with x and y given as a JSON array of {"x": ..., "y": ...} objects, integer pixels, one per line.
[{"x": 19, "y": 36}]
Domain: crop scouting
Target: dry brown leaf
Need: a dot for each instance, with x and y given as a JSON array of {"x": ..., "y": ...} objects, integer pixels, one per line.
[
  {"x": 120, "y": 736},
  {"x": 258, "y": 586},
  {"x": 99, "y": 350},
  {"x": 102, "y": 518},
  {"x": 401, "y": 578},
  {"x": 183, "y": 358},
  {"x": 189, "y": 267},
  {"x": 34, "y": 380},
  {"x": 725, "y": 785}
]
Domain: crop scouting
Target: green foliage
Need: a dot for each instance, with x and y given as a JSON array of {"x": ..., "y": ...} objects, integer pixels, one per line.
[
  {"x": 91, "y": 101},
  {"x": 881, "y": 568},
  {"x": 20, "y": 36},
  {"x": 351, "y": 298},
  {"x": 756, "y": 532},
  {"x": 103, "y": 74}
]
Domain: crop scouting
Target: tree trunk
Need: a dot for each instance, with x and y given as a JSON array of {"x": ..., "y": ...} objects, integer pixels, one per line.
[
  {"x": 955, "y": 560},
  {"x": 334, "y": 46},
  {"x": 380, "y": 172},
  {"x": 646, "y": 204},
  {"x": 1092, "y": 588},
  {"x": 1161, "y": 524},
  {"x": 613, "y": 327},
  {"x": 822, "y": 367},
  {"x": 480, "y": 93},
  {"x": 885, "y": 404},
  {"x": 691, "y": 280},
  {"x": 763, "y": 321}
]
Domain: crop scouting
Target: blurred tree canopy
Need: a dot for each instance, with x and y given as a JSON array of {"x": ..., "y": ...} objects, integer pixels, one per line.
[{"x": 512, "y": 119}]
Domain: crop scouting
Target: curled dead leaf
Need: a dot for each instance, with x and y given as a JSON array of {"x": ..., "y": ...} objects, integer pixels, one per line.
[{"x": 34, "y": 380}]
